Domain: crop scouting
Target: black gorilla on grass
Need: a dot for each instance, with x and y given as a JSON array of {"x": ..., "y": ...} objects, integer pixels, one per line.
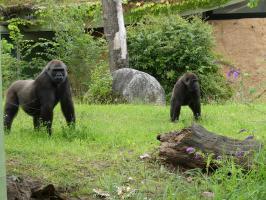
[
  {"x": 186, "y": 92},
  {"x": 39, "y": 97}
]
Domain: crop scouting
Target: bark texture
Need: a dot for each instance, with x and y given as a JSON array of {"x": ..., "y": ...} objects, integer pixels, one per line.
[
  {"x": 114, "y": 30},
  {"x": 193, "y": 147}
]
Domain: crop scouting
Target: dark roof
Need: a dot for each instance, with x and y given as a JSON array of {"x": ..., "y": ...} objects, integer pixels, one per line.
[{"x": 237, "y": 11}]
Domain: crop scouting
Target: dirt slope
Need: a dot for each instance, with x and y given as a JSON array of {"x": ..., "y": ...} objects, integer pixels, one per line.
[{"x": 242, "y": 42}]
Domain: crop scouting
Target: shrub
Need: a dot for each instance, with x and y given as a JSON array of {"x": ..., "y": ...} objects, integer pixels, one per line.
[
  {"x": 214, "y": 87},
  {"x": 8, "y": 64},
  {"x": 78, "y": 49},
  {"x": 29, "y": 64},
  {"x": 100, "y": 87},
  {"x": 168, "y": 46}
]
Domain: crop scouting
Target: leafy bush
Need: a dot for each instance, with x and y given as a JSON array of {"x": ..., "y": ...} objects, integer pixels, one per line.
[
  {"x": 72, "y": 44},
  {"x": 8, "y": 64},
  {"x": 214, "y": 87},
  {"x": 27, "y": 65},
  {"x": 166, "y": 47},
  {"x": 100, "y": 87},
  {"x": 34, "y": 55},
  {"x": 79, "y": 50}
]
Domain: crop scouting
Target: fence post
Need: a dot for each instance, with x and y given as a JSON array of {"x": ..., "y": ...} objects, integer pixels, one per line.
[{"x": 3, "y": 194}]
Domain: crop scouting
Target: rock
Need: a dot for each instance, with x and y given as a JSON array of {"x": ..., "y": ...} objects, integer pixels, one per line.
[
  {"x": 208, "y": 194},
  {"x": 136, "y": 86}
]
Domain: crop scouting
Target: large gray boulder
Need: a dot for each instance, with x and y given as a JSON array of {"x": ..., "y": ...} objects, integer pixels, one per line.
[{"x": 136, "y": 86}]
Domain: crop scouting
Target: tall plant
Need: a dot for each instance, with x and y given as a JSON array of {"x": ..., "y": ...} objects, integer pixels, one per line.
[
  {"x": 23, "y": 58},
  {"x": 168, "y": 46},
  {"x": 78, "y": 49}
]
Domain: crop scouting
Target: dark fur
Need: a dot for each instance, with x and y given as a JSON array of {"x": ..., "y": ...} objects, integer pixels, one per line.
[
  {"x": 186, "y": 92},
  {"x": 39, "y": 97}
]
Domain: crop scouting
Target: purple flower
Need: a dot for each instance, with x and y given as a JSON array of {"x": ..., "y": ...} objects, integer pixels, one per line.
[
  {"x": 240, "y": 154},
  {"x": 229, "y": 73},
  {"x": 236, "y": 74},
  {"x": 197, "y": 156},
  {"x": 233, "y": 72},
  {"x": 190, "y": 150}
]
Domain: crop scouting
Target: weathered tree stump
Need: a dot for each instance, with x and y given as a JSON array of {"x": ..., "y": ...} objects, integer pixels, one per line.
[{"x": 195, "y": 147}]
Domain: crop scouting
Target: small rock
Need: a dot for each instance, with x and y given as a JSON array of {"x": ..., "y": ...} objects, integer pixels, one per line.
[
  {"x": 101, "y": 194},
  {"x": 208, "y": 194},
  {"x": 189, "y": 179},
  {"x": 145, "y": 156},
  {"x": 130, "y": 179}
]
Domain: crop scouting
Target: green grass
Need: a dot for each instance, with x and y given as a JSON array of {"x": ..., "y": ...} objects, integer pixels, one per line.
[{"x": 103, "y": 152}]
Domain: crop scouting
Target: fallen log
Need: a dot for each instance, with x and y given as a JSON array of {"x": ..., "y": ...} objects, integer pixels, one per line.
[{"x": 196, "y": 147}]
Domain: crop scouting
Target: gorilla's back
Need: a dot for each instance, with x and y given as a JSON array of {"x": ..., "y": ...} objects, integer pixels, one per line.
[{"x": 25, "y": 91}]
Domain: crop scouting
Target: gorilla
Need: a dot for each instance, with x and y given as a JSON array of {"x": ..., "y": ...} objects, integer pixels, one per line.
[
  {"x": 186, "y": 92},
  {"x": 39, "y": 97}
]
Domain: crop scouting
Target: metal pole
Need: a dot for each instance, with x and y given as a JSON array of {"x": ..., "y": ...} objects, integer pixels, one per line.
[{"x": 3, "y": 194}]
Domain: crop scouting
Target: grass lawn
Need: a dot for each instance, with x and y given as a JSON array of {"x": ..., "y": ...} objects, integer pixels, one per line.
[{"x": 103, "y": 152}]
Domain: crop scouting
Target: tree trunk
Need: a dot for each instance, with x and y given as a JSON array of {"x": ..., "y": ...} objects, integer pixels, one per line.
[
  {"x": 115, "y": 33},
  {"x": 195, "y": 147}
]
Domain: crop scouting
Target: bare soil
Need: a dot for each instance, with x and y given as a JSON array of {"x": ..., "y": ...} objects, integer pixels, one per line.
[{"x": 242, "y": 42}]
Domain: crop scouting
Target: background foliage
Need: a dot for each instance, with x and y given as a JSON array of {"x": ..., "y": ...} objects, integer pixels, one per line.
[
  {"x": 8, "y": 63},
  {"x": 100, "y": 88},
  {"x": 166, "y": 47},
  {"x": 72, "y": 43},
  {"x": 76, "y": 47},
  {"x": 169, "y": 7}
]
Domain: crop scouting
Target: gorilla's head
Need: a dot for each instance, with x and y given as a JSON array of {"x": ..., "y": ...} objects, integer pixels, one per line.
[
  {"x": 191, "y": 81},
  {"x": 57, "y": 71}
]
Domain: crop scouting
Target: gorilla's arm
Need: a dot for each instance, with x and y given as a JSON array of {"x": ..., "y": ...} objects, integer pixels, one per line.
[
  {"x": 47, "y": 100},
  {"x": 10, "y": 109},
  {"x": 197, "y": 109},
  {"x": 177, "y": 101},
  {"x": 46, "y": 117},
  {"x": 175, "y": 110},
  {"x": 67, "y": 106}
]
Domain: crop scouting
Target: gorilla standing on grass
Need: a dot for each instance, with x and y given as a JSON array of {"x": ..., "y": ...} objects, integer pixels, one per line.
[
  {"x": 186, "y": 92},
  {"x": 39, "y": 97}
]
